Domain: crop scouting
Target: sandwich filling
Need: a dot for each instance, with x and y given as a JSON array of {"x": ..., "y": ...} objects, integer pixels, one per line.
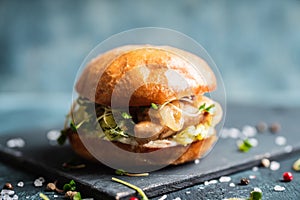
[{"x": 178, "y": 121}]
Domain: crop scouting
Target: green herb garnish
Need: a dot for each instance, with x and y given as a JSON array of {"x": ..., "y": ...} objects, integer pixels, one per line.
[
  {"x": 71, "y": 186},
  {"x": 125, "y": 115},
  {"x": 43, "y": 196},
  {"x": 203, "y": 107},
  {"x": 77, "y": 196},
  {"x": 245, "y": 146},
  {"x": 62, "y": 138},
  {"x": 154, "y": 106},
  {"x": 139, "y": 190},
  {"x": 121, "y": 172}
]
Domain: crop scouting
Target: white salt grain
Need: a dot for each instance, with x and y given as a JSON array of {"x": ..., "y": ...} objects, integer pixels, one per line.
[
  {"x": 280, "y": 140},
  {"x": 234, "y": 133},
  {"x": 279, "y": 188},
  {"x": 288, "y": 148},
  {"x": 197, "y": 161},
  {"x": 274, "y": 165},
  {"x": 255, "y": 169},
  {"x": 37, "y": 183},
  {"x": 188, "y": 192},
  {"x": 163, "y": 197},
  {"x": 20, "y": 184},
  {"x": 53, "y": 135},
  {"x": 253, "y": 142},
  {"x": 249, "y": 131},
  {"x": 15, "y": 142},
  {"x": 231, "y": 185},
  {"x": 224, "y": 179},
  {"x": 252, "y": 177},
  {"x": 177, "y": 198}
]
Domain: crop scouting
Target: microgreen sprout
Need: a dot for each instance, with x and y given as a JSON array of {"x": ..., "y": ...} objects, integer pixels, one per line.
[
  {"x": 203, "y": 107},
  {"x": 121, "y": 172},
  {"x": 43, "y": 196},
  {"x": 139, "y": 190},
  {"x": 71, "y": 186},
  {"x": 125, "y": 115},
  {"x": 154, "y": 106},
  {"x": 245, "y": 146}
]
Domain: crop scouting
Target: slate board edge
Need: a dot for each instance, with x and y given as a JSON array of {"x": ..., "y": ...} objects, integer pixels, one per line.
[{"x": 13, "y": 157}]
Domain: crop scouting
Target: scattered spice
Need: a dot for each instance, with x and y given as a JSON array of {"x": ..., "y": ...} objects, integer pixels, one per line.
[
  {"x": 244, "y": 181},
  {"x": 296, "y": 165},
  {"x": 75, "y": 166},
  {"x": 139, "y": 190},
  {"x": 8, "y": 186},
  {"x": 287, "y": 176},
  {"x": 265, "y": 162},
  {"x": 73, "y": 195},
  {"x": 262, "y": 127},
  {"x": 134, "y": 198},
  {"x": 121, "y": 172},
  {"x": 53, "y": 187},
  {"x": 275, "y": 127}
]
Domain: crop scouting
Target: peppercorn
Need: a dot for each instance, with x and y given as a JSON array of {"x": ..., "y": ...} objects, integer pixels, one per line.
[
  {"x": 244, "y": 181},
  {"x": 261, "y": 127},
  {"x": 133, "y": 198},
  {"x": 8, "y": 186},
  {"x": 287, "y": 176},
  {"x": 275, "y": 127}
]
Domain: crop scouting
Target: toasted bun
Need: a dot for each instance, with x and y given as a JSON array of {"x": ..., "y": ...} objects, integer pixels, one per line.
[
  {"x": 168, "y": 155},
  {"x": 142, "y": 74}
]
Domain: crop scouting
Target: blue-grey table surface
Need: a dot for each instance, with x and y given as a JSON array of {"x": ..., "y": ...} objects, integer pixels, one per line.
[{"x": 237, "y": 117}]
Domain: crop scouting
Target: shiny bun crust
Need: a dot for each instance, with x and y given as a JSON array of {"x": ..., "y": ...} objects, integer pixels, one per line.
[
  {"x": 167, "y": 155},
  {"x": 157, "y": 74}
]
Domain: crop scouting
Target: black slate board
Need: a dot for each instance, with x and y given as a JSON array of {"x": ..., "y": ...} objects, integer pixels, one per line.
[{"x": 95, "y": 179}]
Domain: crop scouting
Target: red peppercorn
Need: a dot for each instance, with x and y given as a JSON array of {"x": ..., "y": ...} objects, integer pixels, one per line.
[
  {"x": 287, "y": 176},
  {"x": 134, "y": 198}
]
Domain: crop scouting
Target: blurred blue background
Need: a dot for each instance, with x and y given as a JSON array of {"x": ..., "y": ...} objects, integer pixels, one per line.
[{"x": 255, "y": 44}]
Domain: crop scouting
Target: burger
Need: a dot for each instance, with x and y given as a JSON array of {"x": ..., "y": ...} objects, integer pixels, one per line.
[{"x": 143, "y": 105}]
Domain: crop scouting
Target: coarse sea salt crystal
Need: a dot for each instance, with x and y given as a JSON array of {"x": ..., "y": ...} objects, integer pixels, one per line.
[
  {"x": 249, "y": 131},
  {"x": 15, "y": 142},
  {"x": 231, "y": 185},
  {"x": 234, "y": 133},
  {"x": 279, "y": 188},
  {"x": 224, "y": 179},
  {"x": 255, "y": 169},
  {"x": 20, "y": 184},
  {"x": 274, "y": 165},
  {"x": 288, "y": 148},
  {"x": 197, "y": 161},
  {"x": 253, "y": 141},
  {"x": 53, "y": 135},
  {"x": 177, "y": 198},
  {"x": 38, "y": 183},
  {"x": 163, "y": 197},
  {"x": 280, "y": 140},
  {"x": 252, "y": 177}
]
